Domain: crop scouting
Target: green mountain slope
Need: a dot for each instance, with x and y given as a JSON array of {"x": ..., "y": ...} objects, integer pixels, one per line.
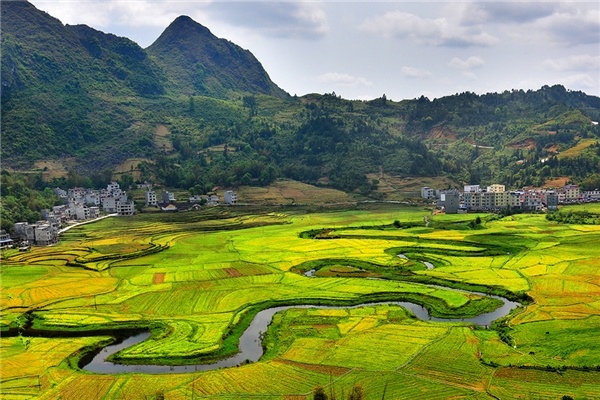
[
  {"x": 199, "y": 63},
  {"x": 203, "y": 112}
]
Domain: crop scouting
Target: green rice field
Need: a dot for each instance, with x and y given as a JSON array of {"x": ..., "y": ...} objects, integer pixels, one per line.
[{"x": 196, "y": 279}]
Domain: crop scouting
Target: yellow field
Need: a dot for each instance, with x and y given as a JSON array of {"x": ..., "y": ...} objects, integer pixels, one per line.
[
  {"x": 213, "y": 267},
  {"x": 577, "y": 149}
]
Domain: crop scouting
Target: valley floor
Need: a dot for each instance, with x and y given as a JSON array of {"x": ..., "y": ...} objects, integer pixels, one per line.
[{"x": 194, "y": 279}]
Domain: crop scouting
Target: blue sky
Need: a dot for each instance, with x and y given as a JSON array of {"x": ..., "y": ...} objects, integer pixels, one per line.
[{"x": 361, "y": 50}]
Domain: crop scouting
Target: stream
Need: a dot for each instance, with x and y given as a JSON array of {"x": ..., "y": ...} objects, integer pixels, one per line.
[{"x": 250, "y": 345}]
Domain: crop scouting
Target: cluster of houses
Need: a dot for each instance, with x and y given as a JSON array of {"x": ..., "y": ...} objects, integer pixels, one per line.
[
  {"x": 496, "y": 198},
  {"x": 82, "y": 204},
  {"x": 168, "y": 202},
  {"x": 79, "y": 204}
]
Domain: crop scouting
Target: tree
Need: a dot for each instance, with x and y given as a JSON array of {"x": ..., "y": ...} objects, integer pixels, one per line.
[
  {"x": 250, "y": 103},
  {"x": 319, "y": 393},
  {"x": 357, "y": 393}
]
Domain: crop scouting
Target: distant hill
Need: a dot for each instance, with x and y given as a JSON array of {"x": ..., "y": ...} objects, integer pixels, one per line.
[{"x": 196, "y": 111}]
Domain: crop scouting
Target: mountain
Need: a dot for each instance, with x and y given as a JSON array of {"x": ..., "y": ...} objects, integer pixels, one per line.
[
  {"x": 199, "y": 63},
  {"x": 61, "y": 86},
  {"x": 73, "y": 91},
  {"x": 195, "y": 111}
]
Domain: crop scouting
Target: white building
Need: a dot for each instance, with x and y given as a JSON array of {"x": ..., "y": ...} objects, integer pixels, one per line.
[
  {"x": 229, "y": 197},
  {"x": 112, "y": 187},
  {"x": 591, "y": 195},
  {"x": 40, "y": 233},
  {"x": 125, "y": 207},
  {"x": 168, "y": 197},
  {"x": 109, "y": 204},
  {"x": 472, "y": 189},
  {"x": 45, "y": 235},
  {"x": 92, "y": 198},
  {"x": 82, "y": 212},
  {"x": 5, "y": 240},
  {"x": 212, "y": 199},
  {"x": 427, "y": 193},
  {"x": 150, "y": 198},
  {"x": 94, "y": 212}
]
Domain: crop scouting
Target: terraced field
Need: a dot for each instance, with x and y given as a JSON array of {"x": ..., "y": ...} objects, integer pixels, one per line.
[{"x": 196, "y": 280}]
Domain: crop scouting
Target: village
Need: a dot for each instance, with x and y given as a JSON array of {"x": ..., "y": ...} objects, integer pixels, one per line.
[
  {"x": 495, "y": 198},
  {"x": 81, "y": 205},
  {"x": 84, "y": 204}
]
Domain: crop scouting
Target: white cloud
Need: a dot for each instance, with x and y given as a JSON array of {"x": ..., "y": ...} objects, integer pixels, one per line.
[
  {"x": 469, "y": 75},
  {"x": 417, "y": 73},
  {"x": 289, "y": 19},
  {"x": 292, "y": 19},
  {"x": 506, "y": 12},
  {"x": 344, "y": 79},
  {"x": 537, "y": 22},
  {"x": 469, "y": 63},
  {"x": 572, "y": 26},
  {"x": 433, "y": 32},
  {"x": 140, "y": 13},
  {"x": 584, "y": 62},
  {"x": 584, "y": 81}
]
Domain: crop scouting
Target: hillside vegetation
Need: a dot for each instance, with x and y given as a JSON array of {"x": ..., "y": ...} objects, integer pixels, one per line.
[{"x": 72, "y": 93}]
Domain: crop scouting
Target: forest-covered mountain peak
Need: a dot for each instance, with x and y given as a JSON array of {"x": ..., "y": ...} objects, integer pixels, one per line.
[
  {"x": 181, "y": 30},
  {"x": 199, "y": 63}
]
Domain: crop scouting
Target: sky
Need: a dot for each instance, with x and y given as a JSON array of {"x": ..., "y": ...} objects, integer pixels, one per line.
[{"x": 362, "y": 50}]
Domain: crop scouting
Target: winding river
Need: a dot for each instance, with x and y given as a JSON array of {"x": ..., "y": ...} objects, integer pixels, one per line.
[{"x": 250, "y": 346}]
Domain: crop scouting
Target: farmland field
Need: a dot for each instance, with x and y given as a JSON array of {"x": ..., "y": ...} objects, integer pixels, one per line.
[{"x": 196, "y": 279}]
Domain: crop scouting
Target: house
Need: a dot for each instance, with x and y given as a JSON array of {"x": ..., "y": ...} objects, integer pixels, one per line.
[
  {"x": 45, "y": 235},
  {"x": 81, "y": 212},
  {"x": 109, "y": 204},
  {"x": 94, "y": 212},
  {"x": 591, "y": 195},
  {"x": 502, "y": 200},
  {"x": 168, "y": 197},
  {"x": 229, "y": 197},
  {"x": 571, "y": 192},
  {"x": 212, "y": 199},
  {"x": 449, "y": 201},
  {"x": 125, "y": 207},
  {"x": 427, "y": 193},
  {"x": 551, "y": 200},
  {"x": 472, "y": 189},
  {"x": 5, "y": 240},
  {"x": 92, "y": 198},
  {"x": 113, "y": 187},
  {"x": 40, "y": 233},
  {"x": 532, "y": 201},
  {"x": 25, "y": 231},
  {"x": 150, "y": 198},
  {"x": 496, "y": 188},
  {"x": 170, "y": 208}
]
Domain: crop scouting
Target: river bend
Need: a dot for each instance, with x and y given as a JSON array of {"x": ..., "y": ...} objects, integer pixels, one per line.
[{"x": 250, "y": 345}]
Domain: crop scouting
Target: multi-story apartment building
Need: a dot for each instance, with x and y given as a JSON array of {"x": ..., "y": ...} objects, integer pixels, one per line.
[
  {"x": 496, "y": 188},
  {"x": 427, "y": 193},
  {"x": 150, "y": 198},
  {"x": 571, "y": 192},
  {"x": 229, "y": 197}
]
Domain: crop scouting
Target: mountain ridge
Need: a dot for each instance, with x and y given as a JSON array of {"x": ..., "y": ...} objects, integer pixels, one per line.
[{"x": 73, "y": 92}]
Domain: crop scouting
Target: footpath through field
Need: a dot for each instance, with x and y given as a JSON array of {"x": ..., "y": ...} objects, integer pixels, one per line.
[{"x": 61, "y": 231}]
